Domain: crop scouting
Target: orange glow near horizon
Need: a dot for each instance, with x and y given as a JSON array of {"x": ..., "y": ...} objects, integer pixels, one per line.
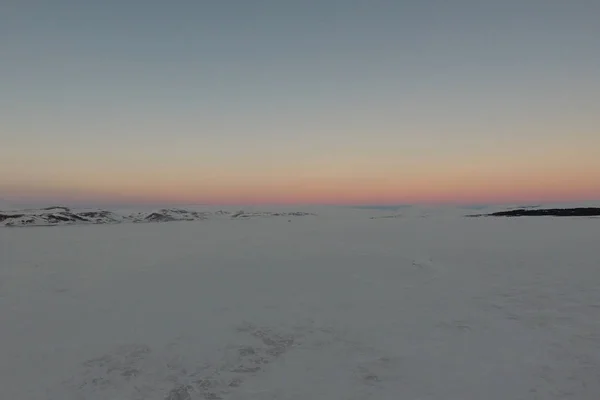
[
  {"x": 436, "y": 189},
  {"x": 362, "y": 173}
]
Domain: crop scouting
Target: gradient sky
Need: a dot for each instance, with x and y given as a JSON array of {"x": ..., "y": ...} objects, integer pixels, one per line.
[{"x": 275, "y": 101}]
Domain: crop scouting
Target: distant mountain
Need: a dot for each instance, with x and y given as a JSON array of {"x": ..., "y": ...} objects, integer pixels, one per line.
[{"x": 52, "y": 216}]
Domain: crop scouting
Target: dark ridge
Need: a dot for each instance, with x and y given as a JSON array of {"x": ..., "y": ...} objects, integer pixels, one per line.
[
  {"x": 95, "y": 214},
  {"x": 158, "y": 217},
  {"x": 551, "y": 212},
  {"x": 4, "y": 217},
  {"x": 76, "y": 217},
  {"x": 67, "y": 217},
  {"x": 65, "y": 209}
]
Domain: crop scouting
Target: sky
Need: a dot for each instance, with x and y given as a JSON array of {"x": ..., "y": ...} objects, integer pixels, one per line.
[{"x": 285, "y": 102}]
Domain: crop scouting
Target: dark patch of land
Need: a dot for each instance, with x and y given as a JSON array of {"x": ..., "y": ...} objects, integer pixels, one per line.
[{"x": 550, "y": 212}]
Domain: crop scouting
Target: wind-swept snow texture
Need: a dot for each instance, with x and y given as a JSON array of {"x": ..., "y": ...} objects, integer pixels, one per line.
[{"x": 424, "y": 305}]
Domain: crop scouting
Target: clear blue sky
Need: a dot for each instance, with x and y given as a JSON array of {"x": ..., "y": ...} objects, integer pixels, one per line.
[{"x": 300, "y": 101}]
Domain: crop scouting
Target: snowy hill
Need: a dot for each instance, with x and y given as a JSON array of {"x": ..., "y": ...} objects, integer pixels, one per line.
[{"x": 53, "y": 216}]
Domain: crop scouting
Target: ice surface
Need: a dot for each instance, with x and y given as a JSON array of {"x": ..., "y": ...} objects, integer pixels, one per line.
[{"x": 424, "y": 305}]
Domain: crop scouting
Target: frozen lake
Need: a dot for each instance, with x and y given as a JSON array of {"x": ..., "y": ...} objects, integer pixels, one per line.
[{"x": 334, "y": 306}]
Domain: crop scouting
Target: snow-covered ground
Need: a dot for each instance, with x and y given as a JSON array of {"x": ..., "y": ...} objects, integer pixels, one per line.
[{"x": 425, "y": 304}]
